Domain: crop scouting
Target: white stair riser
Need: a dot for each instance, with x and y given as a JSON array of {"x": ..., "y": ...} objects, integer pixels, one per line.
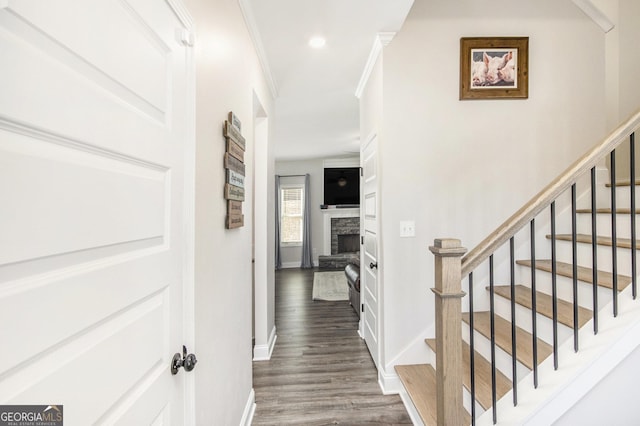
[
  {"x": 466, "y": 394},
  {"x": 523, "y": 320},
  {"x": 565, "y": 289},
  {"x": 466, "y": 401},
  {"x": 623, "y": 197},
  {"x": 604, "y": 259},
  {"x": 603, "y": 225},
  {"x": 503, "y": 359}
]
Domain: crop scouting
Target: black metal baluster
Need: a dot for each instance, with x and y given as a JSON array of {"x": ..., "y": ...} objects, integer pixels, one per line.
[
  {"x": 632, "y": 150},
  {"x": 471, "y": 353},
  {"x": 514, "y": 361},
  {"x": 554, "y": 285},
  {"x": 574, "y": 260},
  {"x": 614, "y": 251},
  {"x": 534, "y": 325},
  {"x": 493, "y": 342},
  {"x": 594, "y": 250}
]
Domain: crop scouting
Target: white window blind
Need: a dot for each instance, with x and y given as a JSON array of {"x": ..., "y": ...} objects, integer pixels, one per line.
[{"x": 291, "y": 202}]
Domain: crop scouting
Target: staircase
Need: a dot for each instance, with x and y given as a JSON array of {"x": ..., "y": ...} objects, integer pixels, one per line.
[{"x": 558, "y": 288}]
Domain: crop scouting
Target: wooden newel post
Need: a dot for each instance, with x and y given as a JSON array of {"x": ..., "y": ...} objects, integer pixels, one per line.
[{"x": 448, "y": 290}]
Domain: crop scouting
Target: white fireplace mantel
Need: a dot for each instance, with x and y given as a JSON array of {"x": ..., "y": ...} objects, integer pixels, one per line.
[{"x": 330, "y": 214}]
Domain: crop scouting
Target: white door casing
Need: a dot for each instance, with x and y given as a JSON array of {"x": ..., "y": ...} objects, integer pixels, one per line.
[
  {"x": 95, "y": 246},
  {"x": 369, "y": 288}
]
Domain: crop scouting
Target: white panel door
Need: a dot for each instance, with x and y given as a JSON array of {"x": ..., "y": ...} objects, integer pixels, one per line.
[
  {"x": 94, "y": 127},
  {"x": 369, "y": 289}
]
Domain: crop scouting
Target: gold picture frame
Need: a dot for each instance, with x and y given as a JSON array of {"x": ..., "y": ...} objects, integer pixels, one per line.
[{"x": 494, "y": 68}]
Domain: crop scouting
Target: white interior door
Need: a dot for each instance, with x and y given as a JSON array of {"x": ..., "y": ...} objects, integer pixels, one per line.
[
  {"x": 94, "y": 128},
  {"x": 369, "y": 288}
]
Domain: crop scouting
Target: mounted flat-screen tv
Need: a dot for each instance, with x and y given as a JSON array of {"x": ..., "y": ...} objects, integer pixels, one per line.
[{"x": 342, "y": 186}]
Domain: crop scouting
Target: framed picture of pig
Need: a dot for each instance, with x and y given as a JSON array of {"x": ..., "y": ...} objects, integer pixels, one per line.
[{"x": 494, "y": 67}]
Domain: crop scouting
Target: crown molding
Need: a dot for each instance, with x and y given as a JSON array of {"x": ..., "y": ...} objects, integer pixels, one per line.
[
  {"x": 381, "y": 41},
  {"x": 247, "y": 13},
  {"x": 182, "y": 13},
  {"x": 593, "y": 12}
]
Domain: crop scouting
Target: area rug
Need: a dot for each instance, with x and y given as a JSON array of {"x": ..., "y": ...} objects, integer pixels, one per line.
[{"x": 330, "y": 285}]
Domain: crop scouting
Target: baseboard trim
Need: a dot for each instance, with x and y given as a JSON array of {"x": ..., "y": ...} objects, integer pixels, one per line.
[
  {"x": 249, "y": 410},
  {"x": 295, "y": 265},
  {"x": 263, "y": 352},
  {"x": 389, "y": 383}
]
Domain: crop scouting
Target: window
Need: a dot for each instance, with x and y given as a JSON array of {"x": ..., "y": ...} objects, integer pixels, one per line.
[{"x": 291, "y": 207}]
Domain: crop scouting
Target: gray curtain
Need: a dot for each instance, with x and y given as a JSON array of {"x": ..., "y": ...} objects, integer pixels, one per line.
[
  {"x": 278, "y": 262},
  {"x": 307, "y": 249}
]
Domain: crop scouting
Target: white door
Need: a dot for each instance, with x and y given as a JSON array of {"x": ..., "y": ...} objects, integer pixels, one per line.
[
  {"x": 94, "y": 128},
  {"x": 369, "y": 289}
]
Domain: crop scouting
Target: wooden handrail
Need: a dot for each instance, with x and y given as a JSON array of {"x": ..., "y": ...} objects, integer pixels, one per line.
[{"x": 544, "y": 198}]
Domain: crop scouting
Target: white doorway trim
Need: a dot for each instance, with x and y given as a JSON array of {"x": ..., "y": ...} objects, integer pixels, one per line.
[
  {"x": 189, "y": 332},
  {"x": 263, "y": 281}
]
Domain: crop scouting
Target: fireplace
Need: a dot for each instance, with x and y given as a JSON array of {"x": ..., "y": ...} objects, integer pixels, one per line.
[
  {"x": 341, "y": 237},
  {"x": 345, "y": 235},
  {"x": 348, "y": 243}
]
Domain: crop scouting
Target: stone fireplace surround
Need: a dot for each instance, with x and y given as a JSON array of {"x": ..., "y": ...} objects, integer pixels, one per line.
[
  {"x": 338, "y": 221},
  {"x": 342, "y": 226}
]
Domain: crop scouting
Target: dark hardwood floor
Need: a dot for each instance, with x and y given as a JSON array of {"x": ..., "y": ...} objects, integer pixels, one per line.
[{"x": 320, "y": 372}]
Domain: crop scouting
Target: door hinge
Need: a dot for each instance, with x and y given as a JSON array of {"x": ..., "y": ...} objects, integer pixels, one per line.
[
  {"x": 361, "y": 172},
  {"x": 361, "y": 240},
  {"x": 362, "y": 307}
]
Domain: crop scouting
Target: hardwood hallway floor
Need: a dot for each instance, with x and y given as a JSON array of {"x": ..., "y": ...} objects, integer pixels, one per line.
[{"x": 320, "y": 372}]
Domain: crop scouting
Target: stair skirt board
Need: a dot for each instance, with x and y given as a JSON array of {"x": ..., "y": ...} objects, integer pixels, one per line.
[{"x": 414, "y": 415}]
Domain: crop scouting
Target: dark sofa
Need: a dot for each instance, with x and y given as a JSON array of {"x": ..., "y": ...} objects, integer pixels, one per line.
[{"x": 352, "y": 271}]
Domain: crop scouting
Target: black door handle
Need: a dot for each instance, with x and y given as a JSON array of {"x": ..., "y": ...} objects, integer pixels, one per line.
[
  {"x": 373, "y": 265},
  {"x": 186, "y": 361}
]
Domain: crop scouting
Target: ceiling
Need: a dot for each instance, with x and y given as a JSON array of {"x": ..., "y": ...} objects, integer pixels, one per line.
[{"x": 316, "y": 109}]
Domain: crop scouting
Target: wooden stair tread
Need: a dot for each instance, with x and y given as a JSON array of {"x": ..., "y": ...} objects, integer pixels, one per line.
[
  {"x": 607, "y": 210},
  {"x": 605, "y": 279},
  {"x": 623, "y": 182},
  {"x": 482, "y": 369},
  {"x": 603, "y": 241},
  {"x": 544, "y": 304},
  {"x": 524, "y": 347},
  {"x": 420, "y": 382}
]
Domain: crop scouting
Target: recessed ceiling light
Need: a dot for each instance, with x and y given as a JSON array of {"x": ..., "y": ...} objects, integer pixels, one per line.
[{"x": 317, "y": 42}]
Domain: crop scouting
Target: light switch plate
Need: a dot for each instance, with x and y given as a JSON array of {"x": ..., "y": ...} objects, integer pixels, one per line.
[{"x": 407, "y": 228}]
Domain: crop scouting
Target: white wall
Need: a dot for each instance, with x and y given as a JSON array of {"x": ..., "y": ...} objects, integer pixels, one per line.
[
  {"x": 227, "y": 74},
  {"x": 629, "y": 57},
  {"x": 460, "y": 168},
  {"x": 622, "y": 68}
]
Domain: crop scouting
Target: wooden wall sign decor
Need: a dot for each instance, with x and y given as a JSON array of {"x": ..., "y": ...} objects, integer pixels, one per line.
[
  {"x": 235, "y": 150},
  {"x": 232, "y": 192},
  {"x": 235, "y": 171},
  {"x": 235, "y": 178},
  {"x": 233, "y": 163},
  {"x": 235, "y": 221}
]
